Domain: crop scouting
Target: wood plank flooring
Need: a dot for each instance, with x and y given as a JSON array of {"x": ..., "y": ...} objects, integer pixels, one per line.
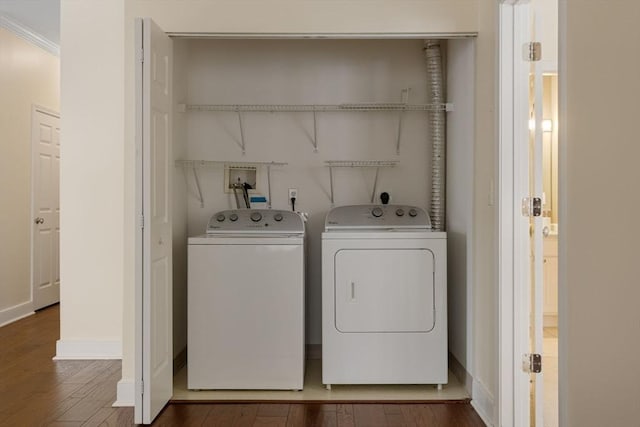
[{"x": 38, "y": 391}]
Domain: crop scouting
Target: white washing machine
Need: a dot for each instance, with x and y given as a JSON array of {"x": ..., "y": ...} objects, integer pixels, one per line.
[
  {"x": 246, "y": 302},
  {"x": 384, "y": 288}
]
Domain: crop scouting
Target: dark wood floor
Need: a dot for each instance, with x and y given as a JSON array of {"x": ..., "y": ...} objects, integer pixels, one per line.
[{"x": 37, "y": 391}]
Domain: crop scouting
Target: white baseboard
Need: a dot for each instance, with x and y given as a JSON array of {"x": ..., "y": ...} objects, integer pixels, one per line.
[
  {"x": 17, "y": 312},
  {"x": 483, "y": 402},
  {"x": 125, "y": 394},
  {"x": 87, "y": 350}
]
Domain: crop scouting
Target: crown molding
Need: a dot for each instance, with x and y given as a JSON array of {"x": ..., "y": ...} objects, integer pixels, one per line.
[{"x": 29, "y": 35}]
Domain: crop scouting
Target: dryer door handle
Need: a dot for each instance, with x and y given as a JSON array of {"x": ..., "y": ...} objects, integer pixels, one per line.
[{"x": 353, "y": 292}]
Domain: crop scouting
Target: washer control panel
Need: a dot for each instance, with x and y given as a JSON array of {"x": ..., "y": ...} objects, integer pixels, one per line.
[
  {"x": 255, "y": 221},
  {"x": 392, "y": 217}
]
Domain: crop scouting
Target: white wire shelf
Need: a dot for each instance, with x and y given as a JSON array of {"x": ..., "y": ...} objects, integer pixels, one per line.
[
  {"x": 194, "y": 165},
  {"x": 310, "y": 108},
  {"x": 208, "y": 163},
  {"x": 358, "y": 164},
  {"x": 399, "y": 107}
]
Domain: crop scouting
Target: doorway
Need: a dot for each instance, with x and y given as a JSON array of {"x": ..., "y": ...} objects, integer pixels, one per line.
[
  {"x": 550, "y": 141},
  {"x": 543, "y": 177},
  {"x": 198, "y": 197},
  {"x": 45, "y": 256}
]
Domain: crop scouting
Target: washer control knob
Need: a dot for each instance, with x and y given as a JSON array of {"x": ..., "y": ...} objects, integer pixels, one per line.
[
  {"x": 233, "y": 217},
  {"x": 220, "y": 217},
  {"x": 377, "y": 212},
  {"x": 413, "y": 212},
  {"x": 400, "y": 212},
  {"x": 256, "y": 216},
  {"x": 278, "y": 217}
]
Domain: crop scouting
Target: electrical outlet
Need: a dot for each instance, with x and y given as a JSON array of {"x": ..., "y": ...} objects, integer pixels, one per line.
[{"x": 293, "y": 194}]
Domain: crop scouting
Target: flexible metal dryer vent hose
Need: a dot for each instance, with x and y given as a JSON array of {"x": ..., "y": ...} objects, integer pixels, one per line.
[{"x": 437, "y": 123}]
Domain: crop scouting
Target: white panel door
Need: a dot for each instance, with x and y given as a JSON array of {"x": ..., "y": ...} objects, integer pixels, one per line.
[
  {"x": 154, "y": 367},
  {"x": 45, "y": 136},
  {"x": 384, "y": 290}
]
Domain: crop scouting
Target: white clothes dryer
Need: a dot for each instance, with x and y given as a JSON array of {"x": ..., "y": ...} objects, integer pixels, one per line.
[
  {"x": 384, "y": 305},
  {"x": 246, "y": 302}
]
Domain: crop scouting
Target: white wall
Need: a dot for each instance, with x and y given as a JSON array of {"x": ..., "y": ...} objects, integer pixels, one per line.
[
  {"x": 92, "y": 179},
  {"x": 599, "y": 201},
  {"x": 28, "y": 76},
  {"x": 485, "y": 291},
  {"x": 315, "y": 16},
  {"x": 460, "y": 127}
]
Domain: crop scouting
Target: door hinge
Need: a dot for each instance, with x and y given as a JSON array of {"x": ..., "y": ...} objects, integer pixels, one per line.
[
  {"x": 533, "y": 51},
  {"x": 141, "y": 55},
  {"x": 532, "y": 363},
  {"x": 531, "y": 206},
  {"x": 141, "y": 387},
  {"x": 141, "y": 221}
]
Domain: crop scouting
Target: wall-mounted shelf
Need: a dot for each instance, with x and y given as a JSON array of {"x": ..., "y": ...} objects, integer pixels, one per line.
[
  {"x": 358, "y": 164},
  {"x": 214, "y": 163},
  {"x": 399, "y": 107},
  {"x": 321, "y": 108},
  {"x": 194, "y": 165}
]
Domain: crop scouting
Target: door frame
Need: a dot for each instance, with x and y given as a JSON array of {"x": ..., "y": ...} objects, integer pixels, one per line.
[
  {"x": 35, "y": 108},
  {"x": 513, "y": 248},
  {"x": 139, "y": 267},
  {"x": 513, "y": 237}
]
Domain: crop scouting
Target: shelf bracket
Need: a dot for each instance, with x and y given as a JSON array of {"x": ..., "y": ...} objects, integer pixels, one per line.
[
  {"x": 375, "y": 185},
  {"x": 242, "y": 145},
  {"x": 315, "y": 133},
  {"x": 405, "y": 100},
  {"x": 331, "y": 183},
  {"x": 195, "y": 176}
]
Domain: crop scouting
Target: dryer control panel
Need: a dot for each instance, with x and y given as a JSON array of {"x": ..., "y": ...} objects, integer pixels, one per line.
[
  {"x": 377, "y": 217},
  {"x": 255, "y": 220}
]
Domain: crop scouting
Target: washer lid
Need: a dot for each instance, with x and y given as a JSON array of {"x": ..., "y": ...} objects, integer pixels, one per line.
[
  {"x": 258, "y": 221},
  {"x": 377, "y": 217}
]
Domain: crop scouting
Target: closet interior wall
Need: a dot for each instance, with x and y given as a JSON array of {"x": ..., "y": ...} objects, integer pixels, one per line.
[{"x": 306, "y": 71}]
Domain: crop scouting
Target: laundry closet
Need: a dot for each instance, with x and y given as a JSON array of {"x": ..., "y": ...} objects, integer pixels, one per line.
[{"x": 283, "y": 114}]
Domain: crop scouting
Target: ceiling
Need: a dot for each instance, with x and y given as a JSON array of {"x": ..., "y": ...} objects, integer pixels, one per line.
[{"x": 39, "y": 16}]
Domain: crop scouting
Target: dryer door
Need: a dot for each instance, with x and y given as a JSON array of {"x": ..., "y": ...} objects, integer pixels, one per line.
[{"x": 384, "y": 290}]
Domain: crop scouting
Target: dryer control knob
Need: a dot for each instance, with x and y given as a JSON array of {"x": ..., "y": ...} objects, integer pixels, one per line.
[
  {"x": 377, "y": 212},
  {"x": 256, "y": 216},
  {"x": 400, "y": 212},
  {"x": 278, "y": 217},
  {"x": 413, "y": 212},
  {"x": 233, "y": 217},
  {"x": 220, "y": 217}
]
